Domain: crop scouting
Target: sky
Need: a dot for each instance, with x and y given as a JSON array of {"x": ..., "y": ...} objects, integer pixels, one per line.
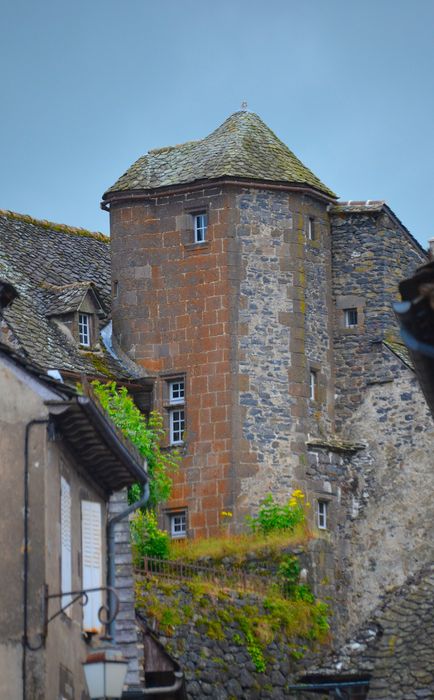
[{"x": 89, "y": 86}]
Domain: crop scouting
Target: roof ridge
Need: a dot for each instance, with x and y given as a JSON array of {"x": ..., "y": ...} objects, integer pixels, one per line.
[{"x": 61, "y": 228}]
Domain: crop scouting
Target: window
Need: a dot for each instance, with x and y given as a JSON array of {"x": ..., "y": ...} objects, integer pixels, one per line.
[
  {"x": 91, "y": 542},
  {"x": 66, "y": 543},
  {"x": 350, "y": 317},
  {"x": 176, "y": 415},
  {"x": 177, "y": 426},
  {"x": 178, "y": 524},
  {"x": 177, "y": 391},
  {"x": 322, "y": 515},
  {"x": 84, "y": 329},
  {"x": 200, "y": 227},
  {"x": 313, "y": 385},
  {"x": 311, "y": 229}
]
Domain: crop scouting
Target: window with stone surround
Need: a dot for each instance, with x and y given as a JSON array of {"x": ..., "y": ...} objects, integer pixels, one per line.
[
  {"x": 350, "y": 313},
  {"x": 176, "y": 408},
  {"x": 350, "y": 317},
  {"x": 322, "y": 512},
  {"x": 313, "y": 385},
  {"x": 200, "y": 226},
  {"x": 177, "y": 524},
  {"x": 311, "y": 228}
]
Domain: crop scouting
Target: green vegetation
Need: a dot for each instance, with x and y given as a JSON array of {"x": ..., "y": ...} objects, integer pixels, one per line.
[
  {"x": 148, "y": 540},
  {"x": 100, "y": 364},
  {"x": 251, "y": 621},
  {"x": 237, "y": 547},
  {"x": 145, "y": 435},
  {"x": 273, "y": 517}
]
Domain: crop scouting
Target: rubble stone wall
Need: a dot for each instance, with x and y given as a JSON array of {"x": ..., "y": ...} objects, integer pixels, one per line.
[{"x": 371, "y": 254}]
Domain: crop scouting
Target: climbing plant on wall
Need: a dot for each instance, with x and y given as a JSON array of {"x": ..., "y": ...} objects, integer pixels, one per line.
[{"x": 145, "y": 435}]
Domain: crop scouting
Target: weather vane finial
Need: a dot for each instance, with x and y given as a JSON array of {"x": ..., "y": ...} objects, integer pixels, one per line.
[{"x": 244, "y": 106}]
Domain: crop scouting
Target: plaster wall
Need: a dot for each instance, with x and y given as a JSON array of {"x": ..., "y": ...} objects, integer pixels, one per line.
[{"x": 55, "y": 669}]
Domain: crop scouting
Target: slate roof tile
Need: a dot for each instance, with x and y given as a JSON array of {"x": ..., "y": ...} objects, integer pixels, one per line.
[
  {"x": 243, "y": 146},
  {"x": 52, "y": 266}
]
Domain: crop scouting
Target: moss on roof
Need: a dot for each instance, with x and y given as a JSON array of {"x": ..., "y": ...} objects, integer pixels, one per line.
[
  {"x": 400, "y": 350},
  {"x": 63, "y": 228},
  {"x": 243, "y": 146}
]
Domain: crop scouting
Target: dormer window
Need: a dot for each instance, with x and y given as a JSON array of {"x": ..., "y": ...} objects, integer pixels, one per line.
[
  {"x": 84, "y": 329},
  {"x": 200, "y": 226}
]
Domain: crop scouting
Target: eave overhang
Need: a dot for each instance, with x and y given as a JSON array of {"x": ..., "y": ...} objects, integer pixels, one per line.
[
  {"x": 120, "y": 196},
  {"x": 97, "y": 445}
]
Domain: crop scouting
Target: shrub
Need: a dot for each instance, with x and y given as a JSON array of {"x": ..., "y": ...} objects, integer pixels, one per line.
[
  {"x": 146, "y": 435},
  {"x": 272, "y": 516},
  {"x": 148, "y": 539},
  {"x": 289, "y": 573}
]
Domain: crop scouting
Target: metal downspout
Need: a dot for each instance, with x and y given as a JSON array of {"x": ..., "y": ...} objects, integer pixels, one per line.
[
  {"x": 111, "y": 564},
  {"x": 25, "y": 640}
]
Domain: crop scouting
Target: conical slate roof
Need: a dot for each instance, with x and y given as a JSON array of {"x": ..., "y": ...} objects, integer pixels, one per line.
[{"x": 243, "y": 146}]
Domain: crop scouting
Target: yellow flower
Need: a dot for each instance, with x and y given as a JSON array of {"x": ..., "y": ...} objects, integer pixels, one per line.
[{"x": 226, "y": 514}]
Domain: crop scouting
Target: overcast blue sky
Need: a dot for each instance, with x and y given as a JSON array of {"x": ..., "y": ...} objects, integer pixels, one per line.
[{"x": 90, "y": 85}]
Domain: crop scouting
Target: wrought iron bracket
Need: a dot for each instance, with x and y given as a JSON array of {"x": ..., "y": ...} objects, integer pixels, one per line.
[{"x": 81, "y": 596}]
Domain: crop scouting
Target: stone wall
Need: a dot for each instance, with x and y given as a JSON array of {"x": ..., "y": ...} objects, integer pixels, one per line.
[
  {"x": 388, "y": 533},
  {"x": 218, "y": 640},
  {"x": 283, "y": 332},
  {"x": 173, "y": 315},
  {"x": 371, "y": 253},
  {"x": 243, "y": 318}
]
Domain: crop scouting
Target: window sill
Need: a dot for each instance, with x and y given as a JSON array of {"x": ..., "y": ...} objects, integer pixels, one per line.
[{"x": 194, "y": 247}]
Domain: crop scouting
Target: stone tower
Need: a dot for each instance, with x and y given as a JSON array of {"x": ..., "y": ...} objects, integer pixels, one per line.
[{"x": 221, "y": 264}]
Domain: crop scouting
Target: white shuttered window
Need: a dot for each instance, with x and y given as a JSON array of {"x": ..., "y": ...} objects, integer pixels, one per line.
[
  {"x": 92, "y": 561},
  {"x": 66, "y": 547}
]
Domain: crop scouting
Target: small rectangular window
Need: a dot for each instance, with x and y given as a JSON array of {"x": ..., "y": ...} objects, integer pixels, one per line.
[
  {"x": 311, "y": 229},
  {"x": 178, "y": 524},
  {"x": 350, "y": 316},
  {"x": 200, "y": 227},
  {"x": 177, "y": 426},
  {"x": 177, "y": 391},
  {"x": 84, "y": 329},
  {"x": 313, "y": 385},
  {"x": 322, "y": 515}
]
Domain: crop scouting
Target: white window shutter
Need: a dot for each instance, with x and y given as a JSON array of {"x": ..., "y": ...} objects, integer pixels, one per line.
[
  {"x": 92, "y": 561},
  {"x": 66, "y": 545}
]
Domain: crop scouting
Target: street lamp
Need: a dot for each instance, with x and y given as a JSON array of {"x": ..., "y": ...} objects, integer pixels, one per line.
[{"x": 105, "y": 670}]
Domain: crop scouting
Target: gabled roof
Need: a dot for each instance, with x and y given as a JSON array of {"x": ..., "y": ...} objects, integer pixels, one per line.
[
  {"x": 372, "y": 206},
  {"x": 68, "y": 298},
  {"x": 242, "y": 147},
  {"x": 51, "y": 266}
]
